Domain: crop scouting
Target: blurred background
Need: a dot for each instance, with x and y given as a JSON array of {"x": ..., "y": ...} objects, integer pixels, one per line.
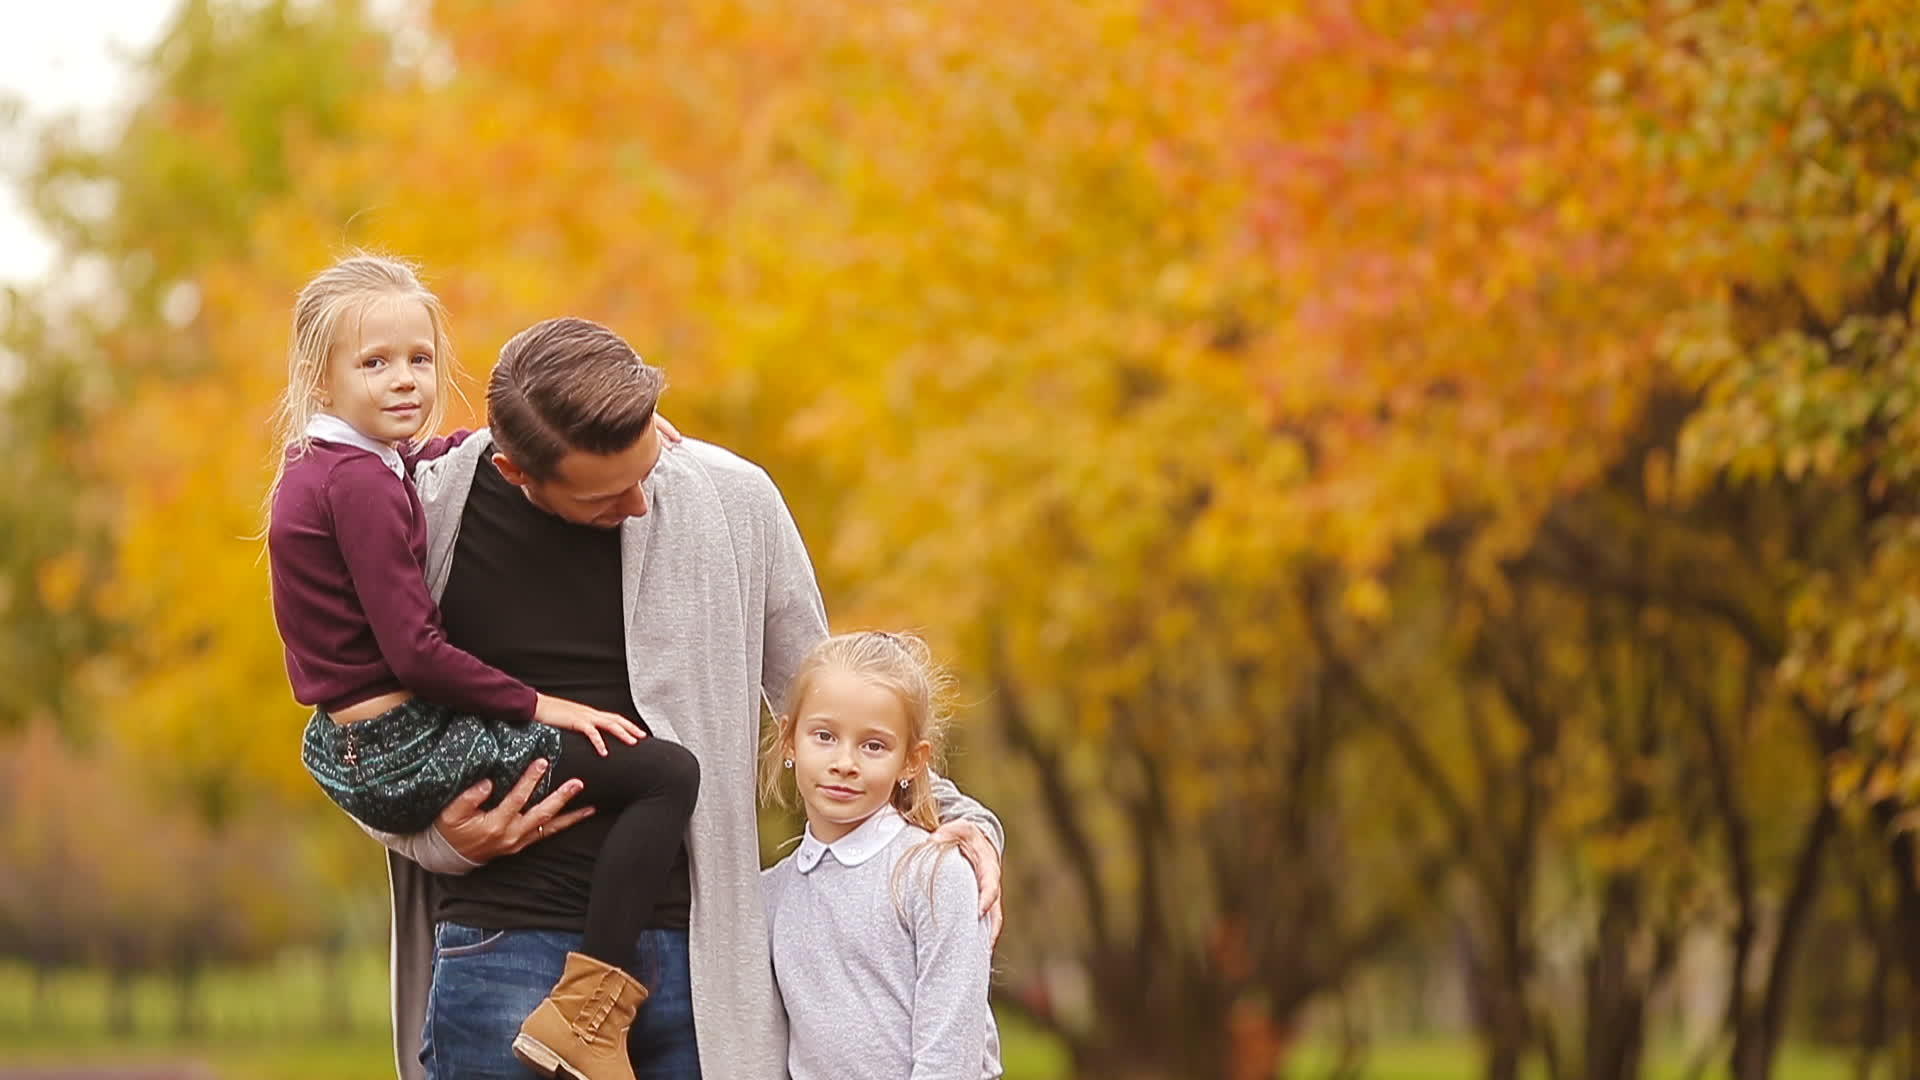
[{"x": 1421, "y": 493}]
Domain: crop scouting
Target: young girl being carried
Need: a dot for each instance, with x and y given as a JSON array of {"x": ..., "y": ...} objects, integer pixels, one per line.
[
  {"x": 879, "y": 952},
  {"x": 405, "y": 721}
]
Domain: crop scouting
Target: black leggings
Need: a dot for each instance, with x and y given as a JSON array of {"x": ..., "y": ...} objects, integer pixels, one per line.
[{"x": 651, "y": 786}]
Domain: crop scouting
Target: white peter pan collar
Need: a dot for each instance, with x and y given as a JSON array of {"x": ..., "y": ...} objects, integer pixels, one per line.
[
  {"x": 863, "y": 843},
  {"x": 335, "y": 430}
]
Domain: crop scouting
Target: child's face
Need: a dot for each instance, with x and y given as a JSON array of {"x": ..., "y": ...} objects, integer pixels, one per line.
[
  {"x": 380, "y": 376},
  {"x": 850, "y": 751}
]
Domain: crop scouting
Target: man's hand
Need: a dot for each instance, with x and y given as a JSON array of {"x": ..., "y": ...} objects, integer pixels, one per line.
[
  {"x": 484, "y": 835},
  {"x": 985, "y": 859}
]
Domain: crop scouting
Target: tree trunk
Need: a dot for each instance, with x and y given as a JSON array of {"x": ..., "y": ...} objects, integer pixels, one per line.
[
  {"x": 1174, "y": 1058},
  {"x": 1504, "y": 1046},
  {"x": 43, "y": 1018},
  {"x": 1771, "y": 1023},
  {"x": 187, "y": 1014},
  {"x": 1496, "y": 984},
  {"x": 120, "y": 1000},
  {"x": 1906, "y": 890},
  {"x": 1243, "y": 1042},
  {"x": 1616, "y": 994},
  {"x": 1259, "y": 1044},
  {"x": 1873, "y": 1017}
]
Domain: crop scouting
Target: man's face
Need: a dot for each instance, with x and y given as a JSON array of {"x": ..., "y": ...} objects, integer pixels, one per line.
[{"x": 602, "y": 490}]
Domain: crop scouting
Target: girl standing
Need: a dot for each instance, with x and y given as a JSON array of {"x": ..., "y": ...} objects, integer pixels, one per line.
[
  {"x": 879, "y": 952},
  {"x": 405, "y": 721}
]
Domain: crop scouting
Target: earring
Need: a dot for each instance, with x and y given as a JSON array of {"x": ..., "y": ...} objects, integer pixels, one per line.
[
  {"x": 787, "y": 764},
  {"x": 906, "y": 782}
]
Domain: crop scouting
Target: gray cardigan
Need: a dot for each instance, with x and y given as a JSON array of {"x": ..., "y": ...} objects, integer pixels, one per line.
[{"x": 721, "y": 607}]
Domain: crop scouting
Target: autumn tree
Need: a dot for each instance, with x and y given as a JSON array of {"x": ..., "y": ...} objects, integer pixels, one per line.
[
  {"x": 1360, "y": 455},
  {"x": 1798, "y": 119},
  {"x": 230, "y": 93}
]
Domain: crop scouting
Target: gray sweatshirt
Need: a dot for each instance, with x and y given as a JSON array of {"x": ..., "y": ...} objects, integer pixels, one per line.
[
  {"x": 722, "y": 606},
  {"x": 882, "y": 958}
]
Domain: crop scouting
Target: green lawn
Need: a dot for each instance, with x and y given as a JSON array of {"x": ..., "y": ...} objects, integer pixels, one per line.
[
  {"x": 285, "y": 1060},
  {"x": 288, "y": 999},
  {"x": 1027, "y": 1059},
  {"x": 1456, "y": 1059},
  {"x": 266, "y": 1024}
]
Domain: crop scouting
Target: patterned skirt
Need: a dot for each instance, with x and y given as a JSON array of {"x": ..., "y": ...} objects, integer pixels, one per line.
[{"x": 396, "y": 771}]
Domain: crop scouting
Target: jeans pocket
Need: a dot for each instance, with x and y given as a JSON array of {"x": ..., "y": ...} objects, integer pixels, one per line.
[{"x": 453, "y": 940}]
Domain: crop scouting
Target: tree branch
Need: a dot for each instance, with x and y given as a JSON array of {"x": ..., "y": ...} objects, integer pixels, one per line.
[{"x": 1062, "y": 805}]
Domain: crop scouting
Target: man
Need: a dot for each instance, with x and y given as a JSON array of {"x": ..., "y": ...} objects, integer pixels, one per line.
[{"x": 573, "y": 547}]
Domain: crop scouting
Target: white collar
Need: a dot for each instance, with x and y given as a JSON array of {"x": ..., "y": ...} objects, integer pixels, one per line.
[
  {"x": 335, "y": 430},
  {"x": 863, "y": 843}
]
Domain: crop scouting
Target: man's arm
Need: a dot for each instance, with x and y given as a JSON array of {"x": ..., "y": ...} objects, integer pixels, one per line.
[
  {"x": 427, "y": 848},
  {"x": 465, "y": 836},
  {"x": 956, "y": 806},
  {"x": 795, "y": 616}
]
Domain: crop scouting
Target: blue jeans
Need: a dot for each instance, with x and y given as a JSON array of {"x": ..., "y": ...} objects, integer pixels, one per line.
[{"x": 485, "y": 982}]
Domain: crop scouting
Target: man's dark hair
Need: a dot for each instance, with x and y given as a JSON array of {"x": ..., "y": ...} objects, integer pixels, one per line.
[{"x": 564, "y": 385}]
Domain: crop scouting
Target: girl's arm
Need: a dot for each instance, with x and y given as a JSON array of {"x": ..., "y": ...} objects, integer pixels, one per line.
[
  {"x": 953, "y": 967},
  {"x": 372, "y": 524},
  {"x": 436, "y": 446},
  {"x": 439, "y": 445}
]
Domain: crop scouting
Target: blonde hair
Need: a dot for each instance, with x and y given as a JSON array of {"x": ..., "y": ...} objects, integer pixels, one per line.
[
  {"x": 901, "y": 663},
  {"x": 319, "y": 314}
]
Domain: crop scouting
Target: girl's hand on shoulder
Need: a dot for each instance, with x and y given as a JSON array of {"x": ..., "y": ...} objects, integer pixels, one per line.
[
  {"x": 588, "y": 722},
  {"x": 667, "y": 430}
]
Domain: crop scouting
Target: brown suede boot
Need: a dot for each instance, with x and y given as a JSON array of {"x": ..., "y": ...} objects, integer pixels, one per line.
[{"x": 580, "y": 1031}]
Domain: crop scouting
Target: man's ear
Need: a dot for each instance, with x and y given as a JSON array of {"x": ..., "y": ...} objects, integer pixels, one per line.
[{"x": 515, "y": 474}]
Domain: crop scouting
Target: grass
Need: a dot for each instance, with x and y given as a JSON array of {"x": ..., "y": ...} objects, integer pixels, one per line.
[
  {"x": 265, "y": 1023},
  {"x": 285, "y": 1060},
  {"x": 1459, "y": 1059},
  {"x": 1028, "y": 1057},
  {"x": 286, "y": 999},
  {"x": 268, "y": 1023}
]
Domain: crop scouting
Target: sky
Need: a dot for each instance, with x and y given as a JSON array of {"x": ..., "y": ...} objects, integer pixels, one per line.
[{"x": 58, "y": 57}]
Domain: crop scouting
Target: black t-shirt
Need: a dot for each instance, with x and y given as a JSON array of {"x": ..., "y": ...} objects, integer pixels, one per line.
[{"x": 540, "y": 599}]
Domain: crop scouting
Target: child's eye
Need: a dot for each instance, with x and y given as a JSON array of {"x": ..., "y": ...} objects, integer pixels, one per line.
[
  {"x": 423, "y": 358},
  {"x": 875, "y": 746},
  {"x": 823, "y": 736},
  {"x": 373, "y": 361}
]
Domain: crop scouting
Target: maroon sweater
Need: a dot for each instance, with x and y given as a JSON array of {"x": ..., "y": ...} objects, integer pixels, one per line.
[{"x": 347, "y": 548}]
